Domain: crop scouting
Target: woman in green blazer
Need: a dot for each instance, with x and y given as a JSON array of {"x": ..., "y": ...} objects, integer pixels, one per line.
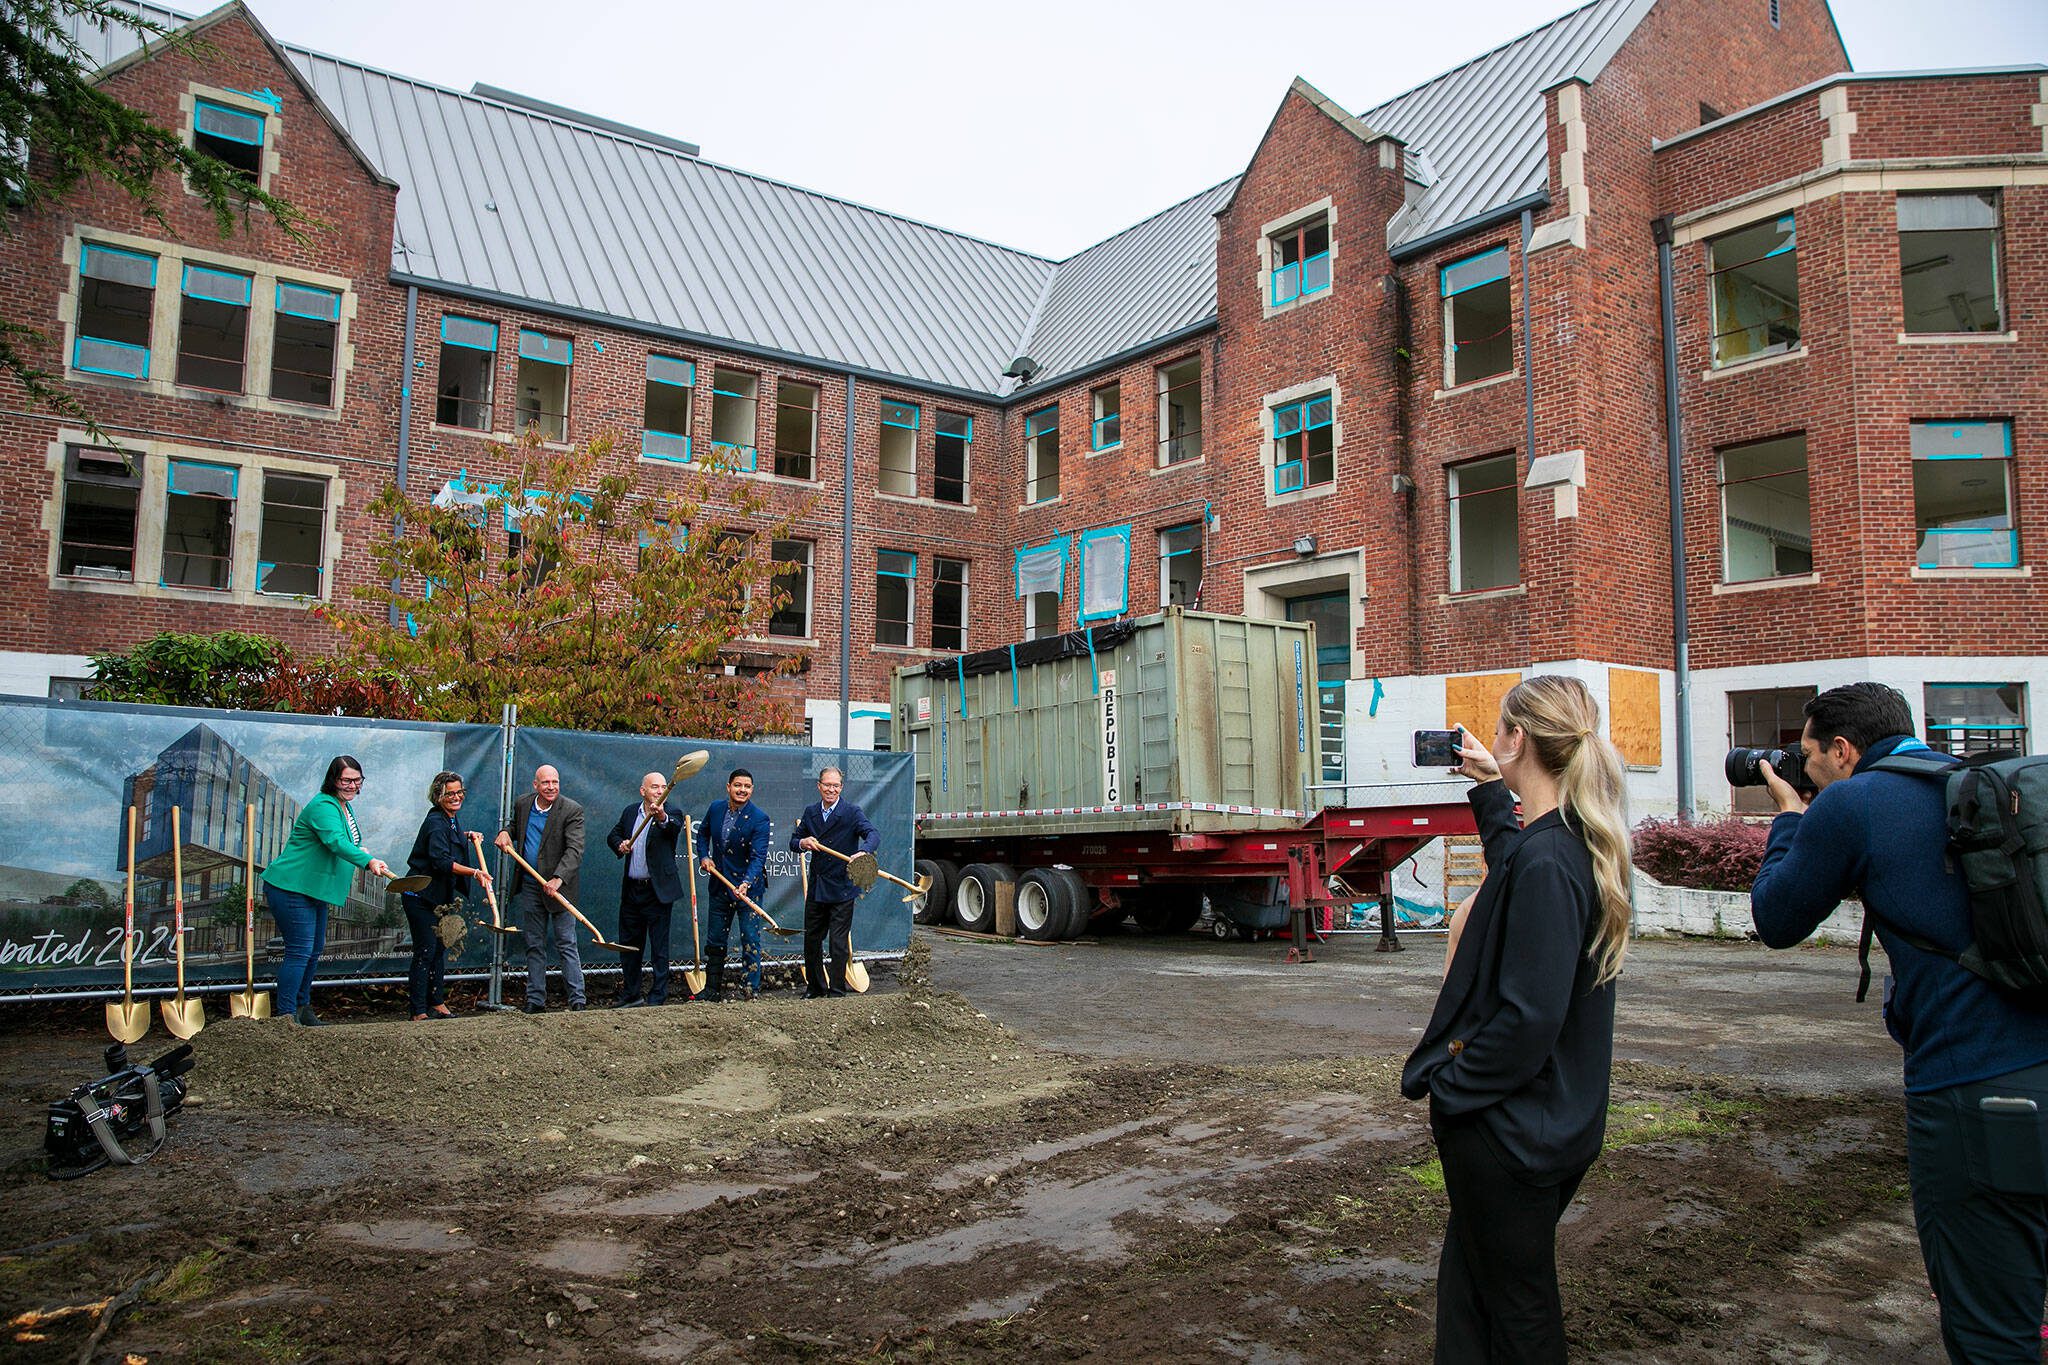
[{"x": 312, "y": 875}]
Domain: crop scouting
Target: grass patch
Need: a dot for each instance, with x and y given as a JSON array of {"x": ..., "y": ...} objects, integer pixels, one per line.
[
  {"x": 191, "y": 1278},
  {"x": 1666, "y": 1120},
  {"x": 1428, "y": 1174}
]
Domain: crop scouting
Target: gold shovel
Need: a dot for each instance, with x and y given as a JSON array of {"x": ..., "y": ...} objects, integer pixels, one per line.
[
  {"x": 693, "y": 975},
  {"x": 182, "y": 1017},
  {"x": 581, "y": 919},
  {"x": 128, "y": 1021},
  {"x": 687, "y": 767},
  {"x": 497, "y": 924},
  {"x": 741, "y": 897},
  {"x": 862, "y": 871},
  {"x": 249, "y": 1003}
]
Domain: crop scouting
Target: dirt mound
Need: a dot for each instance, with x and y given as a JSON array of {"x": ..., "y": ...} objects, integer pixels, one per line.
[{"x": 698, "y": 1078}]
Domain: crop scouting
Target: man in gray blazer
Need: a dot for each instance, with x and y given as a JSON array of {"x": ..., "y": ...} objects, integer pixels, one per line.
[{"x": 546, "y": 829}]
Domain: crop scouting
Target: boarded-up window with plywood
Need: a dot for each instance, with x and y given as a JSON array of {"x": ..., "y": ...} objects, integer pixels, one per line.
[
  {"x": 1474, "y": 702},
  {"x": 1635, "y": 716}
]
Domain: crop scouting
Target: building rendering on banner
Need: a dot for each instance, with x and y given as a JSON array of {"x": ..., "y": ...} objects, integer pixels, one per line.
[{"x": 1421, "y": 374}]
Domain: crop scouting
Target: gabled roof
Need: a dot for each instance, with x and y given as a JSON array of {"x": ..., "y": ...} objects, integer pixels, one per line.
[
  {"x": 513, "y": 202},
  {"x": 1478, "y": 129}
]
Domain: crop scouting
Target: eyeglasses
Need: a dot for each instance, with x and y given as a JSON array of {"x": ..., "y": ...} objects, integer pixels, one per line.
[{"x": 348, "y": 781}]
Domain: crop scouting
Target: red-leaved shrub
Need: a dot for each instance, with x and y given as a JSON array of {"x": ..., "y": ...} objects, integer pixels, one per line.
[{"x": 1711, "y": 855}]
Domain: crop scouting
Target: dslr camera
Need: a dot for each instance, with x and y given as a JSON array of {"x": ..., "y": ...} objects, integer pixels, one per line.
[{"x": 1745, "y": 767}]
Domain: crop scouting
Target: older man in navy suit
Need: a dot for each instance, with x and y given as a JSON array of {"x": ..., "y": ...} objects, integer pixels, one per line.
[
  {"x": 646, "y": 838},
  {"x": 842, "y": 826}
]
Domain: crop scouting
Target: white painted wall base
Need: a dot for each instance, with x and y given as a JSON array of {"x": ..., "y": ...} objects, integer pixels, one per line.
[
  {"x": 1662, "y": 910},
  {"x": 29, "y": 674}
]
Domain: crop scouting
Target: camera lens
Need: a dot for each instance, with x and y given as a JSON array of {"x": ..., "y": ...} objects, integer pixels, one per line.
[{"x": 1741, "y": 767}]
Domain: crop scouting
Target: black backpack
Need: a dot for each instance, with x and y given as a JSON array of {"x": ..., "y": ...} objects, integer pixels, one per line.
[{"x": 1998, "y": 840}]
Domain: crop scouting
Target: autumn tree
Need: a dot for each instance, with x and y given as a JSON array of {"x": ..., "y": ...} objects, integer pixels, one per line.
[
  {"x": 592, "y": 602},
  {"x": 59, "y": 129}
]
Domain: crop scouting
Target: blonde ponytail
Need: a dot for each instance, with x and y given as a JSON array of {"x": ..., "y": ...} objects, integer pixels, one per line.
[{"x": 1562, "y": 723}]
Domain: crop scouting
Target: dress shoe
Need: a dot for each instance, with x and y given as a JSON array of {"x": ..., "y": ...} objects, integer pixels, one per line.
[
  {"x": 814, "y": 995},
  {"x": 531, "y": 1008},
  {"x": 441, "y": 1012},
  {"x": 306, "y": 1016},
  {"x": 577, "y": 1005},
  {"x": 635, "y": 1003}
]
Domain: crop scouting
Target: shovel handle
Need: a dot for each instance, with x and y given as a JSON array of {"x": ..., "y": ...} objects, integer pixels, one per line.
[
  {"x": 490, "y": 896},
  {"x": 885, "y": 876},
  {"x": 543, "y": 884},
  {"x": 741, "y": 896}
]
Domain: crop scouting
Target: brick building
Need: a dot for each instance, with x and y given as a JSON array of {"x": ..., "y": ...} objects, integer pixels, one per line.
[{"x": 1405, "y": 377}]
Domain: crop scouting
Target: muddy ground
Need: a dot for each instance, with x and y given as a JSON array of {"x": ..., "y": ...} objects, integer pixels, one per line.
[{"x": 1132, "y": 1149}]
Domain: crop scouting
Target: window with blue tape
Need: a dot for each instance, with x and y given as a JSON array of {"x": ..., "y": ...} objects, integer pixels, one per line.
[
  {"x": 1479, "y": 340},
  {"x": 666, "y": 428},
  {"x": 1301, "y": 260},
  {"x": 462, "y": 390},
  {"x": 895, "y": 596},
  {"x": 1105, "y": 573},
  {"x": 116, "y": 298},
  {"x": 1304, "y": 444},
  {"x": 896, "y": 451},
  {"x": 1962, "y": 495}
]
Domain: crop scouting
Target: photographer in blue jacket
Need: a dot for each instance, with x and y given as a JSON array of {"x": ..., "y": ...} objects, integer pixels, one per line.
[{"x": 1976, "y": 1060}]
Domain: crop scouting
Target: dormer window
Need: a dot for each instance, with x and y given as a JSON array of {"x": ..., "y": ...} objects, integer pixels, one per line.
[{"x": 1301, "y": 260}]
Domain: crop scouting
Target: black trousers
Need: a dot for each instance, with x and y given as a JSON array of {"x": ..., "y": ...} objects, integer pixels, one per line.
[
  {"x": 1496, "y": 1283},
  {"x": 641, "y": 916},
  {"x": 827, "y": 921},
  {"x": 425, "y": 980}
]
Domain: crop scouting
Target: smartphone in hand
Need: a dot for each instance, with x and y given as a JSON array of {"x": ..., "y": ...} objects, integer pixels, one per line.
[{"x": 1438, "y": 748}]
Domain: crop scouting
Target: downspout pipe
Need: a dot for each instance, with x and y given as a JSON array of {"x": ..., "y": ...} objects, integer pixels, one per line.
[
  {"x": 412, "y": 323},
  {"x": 1674, "y": 450},
  {"x": 846, "y": 583}
]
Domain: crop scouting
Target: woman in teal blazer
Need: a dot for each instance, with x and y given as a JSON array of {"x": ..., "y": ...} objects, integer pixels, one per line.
[{"x": 312, "y": 875}]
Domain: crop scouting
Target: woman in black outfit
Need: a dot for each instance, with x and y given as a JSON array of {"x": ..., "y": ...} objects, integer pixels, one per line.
[
  {"x": 1516, "y": 1057},
  {"x": 438, "y": 852}
]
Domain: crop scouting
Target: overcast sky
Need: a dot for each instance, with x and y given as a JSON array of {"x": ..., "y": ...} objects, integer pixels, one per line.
[{"x": 1043, "y": 126}]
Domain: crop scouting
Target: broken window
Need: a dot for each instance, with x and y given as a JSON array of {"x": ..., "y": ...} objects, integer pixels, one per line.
[
  {"x": 1962, "y": 495},
  {"x": 199, "y": 525},
  {"x": 895, "y": 594},
  {"x": 1974, "y": 719},
  {"x": 791, "y": 576},
  {"x": 898, "y": 449},
  {"x": 1180, "y": 565},
  {"x": 1041, "y": 582},
  {"x": 735, "y": 415},
  {"x": 1108, "y": 427},
  {"x": 1042, "y": 455},
  {"x": 542, "y": 383},
  {"x": 949, "y": 604},
  {"x": 949, "y": 457},
  {"x": 1105, "y": 573},
  {"x": 1948, "y": 262},
  {"x": 1180, "y": 412},
  {"x": 1485, "y": 547},
  {"x": 231, "y": 135},
  {"x": 796, "y": 430},
  {"x": 665, "y": 429},
  {"x": 213, "y": 329},
  {"x": 1479, "y": 339},
  {"x": 1766, "y": 510},
  {"x": 469, "y": 355},
  {"x": 102, "y": 495},
  {"x": 1753, "y": 276},
  {"x": 289, "y": 550},
  {"x": 116, "y": 295},
  {"x": 1304, "y": 444},
  {"x": 1301, "y": 260},
  {"x": 302, "y": 349}
]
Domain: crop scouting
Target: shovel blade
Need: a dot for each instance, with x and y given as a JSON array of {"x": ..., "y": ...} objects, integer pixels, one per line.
[
  {"x": 183, "y": 1017},
  {"x": 694, "y": 979},
  {"x": 128, "y": 1021},
  {"x": 250, "y": 1004},
  {"x": 507, "y": 930},
  {"x": 857, "y": 977}
]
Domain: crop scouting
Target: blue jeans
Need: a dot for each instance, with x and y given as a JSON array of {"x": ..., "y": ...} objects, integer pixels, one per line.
[
  {"x": 426, "y": 979},
  {"x": 1980, "y": 1204},
  {"x": 302, "y": 921},
  {"x": 726, "y": 915}
]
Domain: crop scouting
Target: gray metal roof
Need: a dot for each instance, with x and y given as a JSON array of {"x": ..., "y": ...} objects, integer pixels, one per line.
[
  {"x": 1479, "y": 127},
  {"x": 502, "y": 200}
]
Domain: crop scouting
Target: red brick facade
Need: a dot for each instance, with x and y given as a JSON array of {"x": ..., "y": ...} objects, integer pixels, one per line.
[{"x": 1593, "y": 579}]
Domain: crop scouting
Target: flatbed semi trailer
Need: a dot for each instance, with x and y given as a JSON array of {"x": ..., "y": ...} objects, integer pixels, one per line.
[{"x": 1146, "y": 768}]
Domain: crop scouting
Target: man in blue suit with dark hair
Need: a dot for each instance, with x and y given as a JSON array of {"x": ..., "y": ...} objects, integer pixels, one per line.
[
  {"x": 645, "y": 838},
  {"x": 830, "y": 823},
  {"x": 734, "y": 840}
]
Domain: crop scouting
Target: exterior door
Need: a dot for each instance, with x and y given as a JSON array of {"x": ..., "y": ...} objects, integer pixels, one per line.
[{"x": 1330, "y": 613}]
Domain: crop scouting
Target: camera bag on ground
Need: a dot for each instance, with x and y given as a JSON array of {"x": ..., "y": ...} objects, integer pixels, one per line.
[
  {"x": 105, "y": 1122},
  {"x": 1998, "y": 840}
]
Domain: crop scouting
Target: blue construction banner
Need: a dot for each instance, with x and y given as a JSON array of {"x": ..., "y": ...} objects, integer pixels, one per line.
[{"x": 70, "y": 771}]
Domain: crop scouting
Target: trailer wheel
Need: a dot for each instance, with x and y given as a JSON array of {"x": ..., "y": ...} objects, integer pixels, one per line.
[
  {"x": 1042, "y": 905},
  {"x": 938, "y": 901},
  {"x": 1080, "y": 902},
  {"x": 974, "y": 899}
]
